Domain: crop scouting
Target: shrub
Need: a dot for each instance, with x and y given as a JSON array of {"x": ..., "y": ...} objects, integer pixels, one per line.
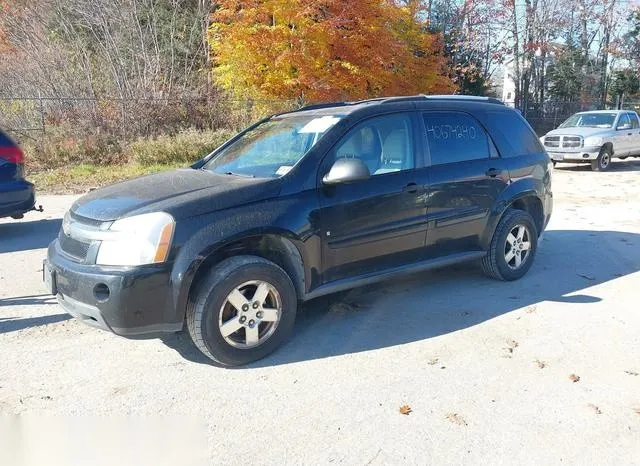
[
  {"x": 60, "y": 147},
  {"x": 184, "y": 147}
]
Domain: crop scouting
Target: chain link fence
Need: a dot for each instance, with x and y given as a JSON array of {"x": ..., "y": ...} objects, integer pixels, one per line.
[
  {"x": 33, "y": 117},
  {"x": 36, "y": 116},
  {"x": 549, "y": 116}
]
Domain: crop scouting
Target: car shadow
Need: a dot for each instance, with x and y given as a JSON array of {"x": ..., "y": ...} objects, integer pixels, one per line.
[
  {"x": 617, "y": 166},
  {"x": 427, "y": 305},
  {"x": 25, "y": 236},
  {"x": 34, "y": 300},
  {"x": 8, "y": 325}
]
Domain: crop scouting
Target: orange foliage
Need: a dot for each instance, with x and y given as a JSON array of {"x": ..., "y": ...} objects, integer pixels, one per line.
[{"x": 316, "y": 50}]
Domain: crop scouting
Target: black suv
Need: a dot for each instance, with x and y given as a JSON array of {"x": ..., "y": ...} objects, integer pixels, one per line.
[{"x": 300, "y": 205}]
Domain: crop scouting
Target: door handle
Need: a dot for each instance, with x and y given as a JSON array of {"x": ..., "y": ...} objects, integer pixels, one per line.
[
  {"x": 493, "y": 172},
  {"x": 412, "y": 188}
]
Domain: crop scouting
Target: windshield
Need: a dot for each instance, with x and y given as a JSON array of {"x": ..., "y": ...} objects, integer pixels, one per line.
[
  {"x": 592, "y": 120},
  {"x": 272, "y": 148}
]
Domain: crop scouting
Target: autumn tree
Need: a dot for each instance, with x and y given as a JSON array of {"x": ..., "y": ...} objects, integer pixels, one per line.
[{"x": 314, "y": 50}]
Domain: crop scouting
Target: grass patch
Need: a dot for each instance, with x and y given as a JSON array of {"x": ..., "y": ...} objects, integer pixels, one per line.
[{"x": 81, "y": 178}]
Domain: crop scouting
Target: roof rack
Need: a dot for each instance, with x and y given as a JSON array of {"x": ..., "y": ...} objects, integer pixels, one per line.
[
  {"x": 468, "y": 98},
  {"x": 323, "y": 105},
  {"x": 408, "y": 98}
]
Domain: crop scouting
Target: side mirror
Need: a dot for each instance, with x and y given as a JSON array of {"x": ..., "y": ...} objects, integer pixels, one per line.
[
  {"x": 624, "y": 127},
  {"x": 345, "y": 171}
]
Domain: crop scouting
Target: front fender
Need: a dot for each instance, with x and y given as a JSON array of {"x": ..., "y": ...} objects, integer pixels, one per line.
[{"x": 200, "y": 237}]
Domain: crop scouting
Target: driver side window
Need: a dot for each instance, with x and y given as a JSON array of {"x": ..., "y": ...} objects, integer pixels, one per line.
[{"x": 384, "y": 144}]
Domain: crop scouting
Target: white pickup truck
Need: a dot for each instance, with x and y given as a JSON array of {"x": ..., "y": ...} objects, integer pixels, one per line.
[{"x": 595, "y": 137}]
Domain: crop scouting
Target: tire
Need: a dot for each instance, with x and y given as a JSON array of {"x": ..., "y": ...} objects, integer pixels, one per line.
[
  {"x": 495, "y": 264},
  {"x": 603, "y": 162},
  {"x": 210, "y": 307}
]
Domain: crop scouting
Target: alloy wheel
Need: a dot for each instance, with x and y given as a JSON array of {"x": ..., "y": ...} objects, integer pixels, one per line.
[
  {"x": 250, "y": 314},
  {"x": 517, "y": 246}
]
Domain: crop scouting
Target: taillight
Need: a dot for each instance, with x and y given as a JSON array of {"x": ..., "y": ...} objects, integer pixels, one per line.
[{"x": 12, "y": 154}]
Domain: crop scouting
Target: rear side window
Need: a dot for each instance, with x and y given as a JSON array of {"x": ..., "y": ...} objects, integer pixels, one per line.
[
  {"x": 455, "y": 137},
  {"x": 513, "y": 132},
  {"x": 5, "y": 140}
]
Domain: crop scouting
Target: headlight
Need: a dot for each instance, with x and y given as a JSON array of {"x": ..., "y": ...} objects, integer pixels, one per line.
[
  {"x": 593, "y": 141},
  {"x": 143, "y": 239}
]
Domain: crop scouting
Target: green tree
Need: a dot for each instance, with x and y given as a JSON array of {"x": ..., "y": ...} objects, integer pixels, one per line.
[
  {"x": 625, "y": 83},
  {"x": 566, "y": 75}
]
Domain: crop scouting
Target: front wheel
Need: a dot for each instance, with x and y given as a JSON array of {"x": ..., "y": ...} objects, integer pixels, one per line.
[
  {"x": 603, "y": 161},
  {"x": 242, "y": 311},
  {"x": 513, "y": 246}
]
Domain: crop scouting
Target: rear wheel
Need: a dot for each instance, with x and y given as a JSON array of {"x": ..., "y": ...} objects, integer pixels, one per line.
[
  {"x": 513, "y": 246},
  {"x": 242, "y": 311},
  {"x": 603, "y": 161}
]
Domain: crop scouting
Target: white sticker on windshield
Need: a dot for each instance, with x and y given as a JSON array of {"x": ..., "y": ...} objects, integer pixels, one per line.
[
  {"x": 283, "y": 170},
  {"x": 319, "y": 125}
]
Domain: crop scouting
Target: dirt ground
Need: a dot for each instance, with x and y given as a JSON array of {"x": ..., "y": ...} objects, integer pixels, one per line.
[{"x": 542, "y": 370}]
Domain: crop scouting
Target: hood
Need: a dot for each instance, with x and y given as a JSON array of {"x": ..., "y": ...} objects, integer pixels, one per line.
[
  {"x": 181, "y": 193},
  {"x": 583, "y": 131}
]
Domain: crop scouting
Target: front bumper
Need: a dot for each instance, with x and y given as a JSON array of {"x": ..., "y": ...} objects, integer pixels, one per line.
[
  {"x": 579, "y": 155},
  {"x": 126, "y": 301}
]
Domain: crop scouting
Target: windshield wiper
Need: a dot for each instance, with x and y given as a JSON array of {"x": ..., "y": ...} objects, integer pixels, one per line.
[{"x": 244, "y": 175}]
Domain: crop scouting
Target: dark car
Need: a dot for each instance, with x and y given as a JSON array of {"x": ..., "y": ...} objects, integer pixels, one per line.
[
  {"x": 301, "y": 205},
  {"x": 17, "y": 196}
]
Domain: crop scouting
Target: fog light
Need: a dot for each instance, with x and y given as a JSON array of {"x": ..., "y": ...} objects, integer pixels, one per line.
[
  {"x": 101, "y": 292},
  {"x": 585, "y": 156}
]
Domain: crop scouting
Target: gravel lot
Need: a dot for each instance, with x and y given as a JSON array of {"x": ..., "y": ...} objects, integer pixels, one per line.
[{"x": 543, "y": 370}]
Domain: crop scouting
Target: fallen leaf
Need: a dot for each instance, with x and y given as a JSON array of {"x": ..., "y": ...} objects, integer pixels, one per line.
[
  {"x": 405, "y": 409},
  {"x": 512, "y": 345},
  {"x": 637, "y": 410},
  {"x": 588, "y": 277},
  {"x": 531, "y": 309},
  {"x": 541, "y": 364},
  {"x": 595, "y": 408},
  {"x": 574, "y": 378},
  {"x": 631, "y": 373},
  {"x": 433, "y": 361},
  {"x": 456, "y": 419}
]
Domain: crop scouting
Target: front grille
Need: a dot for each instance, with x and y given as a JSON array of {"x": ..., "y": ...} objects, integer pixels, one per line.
[
  {"x": 564, "y": 142},
  {"x": 571, "y": 141},
  {"x": 74, "y": 248},
  {"x": 552, "y": 141}
]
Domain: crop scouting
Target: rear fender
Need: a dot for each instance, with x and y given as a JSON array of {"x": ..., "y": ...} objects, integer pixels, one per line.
[{"x": 518, "y": 189}]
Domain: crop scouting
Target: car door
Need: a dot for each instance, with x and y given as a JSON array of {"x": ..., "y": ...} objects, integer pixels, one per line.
[
  {"x": 623, "y": 141},
  {"x": 380, "y": 222},
  {"x": 634, "y": 148},
  {"x": 466, "y": 177}
]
